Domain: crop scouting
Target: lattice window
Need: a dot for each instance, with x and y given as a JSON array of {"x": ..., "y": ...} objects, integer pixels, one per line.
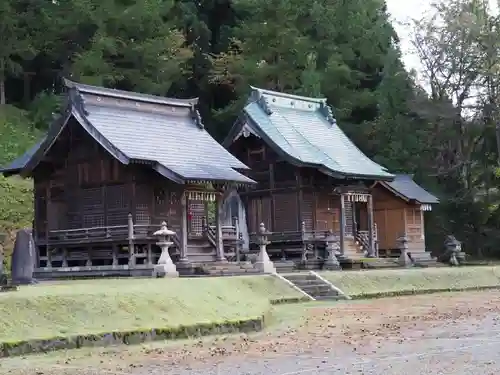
[
  {"x": 117, "y": 205},
  {"x": 196, "y": 212},
  {"x": 349, "y": 218},
  {"x": 307, "y": 208},
  {"x": 93, "y": 207}
]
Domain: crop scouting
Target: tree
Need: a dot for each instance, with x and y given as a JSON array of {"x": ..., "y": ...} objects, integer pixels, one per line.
[
  {"x": 457, "y": 45},
  {"x": 16, "y": 45},
  {"x": 133, "y": 48}
]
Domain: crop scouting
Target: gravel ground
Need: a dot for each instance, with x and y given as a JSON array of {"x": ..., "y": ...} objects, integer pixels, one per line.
[{"x": 455, "y": 333}]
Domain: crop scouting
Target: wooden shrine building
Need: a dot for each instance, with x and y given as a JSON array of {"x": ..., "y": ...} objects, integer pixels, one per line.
[
  {"x": 312, "y": 180},
  {"x": 112, "y": 167},
  {"x": 399, "y": 207}
]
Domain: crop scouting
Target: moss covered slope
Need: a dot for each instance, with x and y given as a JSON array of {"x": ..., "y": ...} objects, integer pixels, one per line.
[
  {"x": 400, "y": 281},
  {"x": 99, "y": 306}
]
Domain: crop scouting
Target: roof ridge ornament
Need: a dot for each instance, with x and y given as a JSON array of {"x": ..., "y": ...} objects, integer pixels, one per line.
[
  {"x": 327, "y": 111},
  {"x": 264, "y": 104},
  {"x": 197, "y": 116}
]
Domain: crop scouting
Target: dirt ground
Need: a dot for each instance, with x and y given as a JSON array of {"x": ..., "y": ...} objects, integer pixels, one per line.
[{"x": 452, "y": 333}]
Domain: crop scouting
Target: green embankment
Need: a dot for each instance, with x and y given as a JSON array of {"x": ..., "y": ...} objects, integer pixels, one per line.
[
  {"x": 72, "y": 308},
  {"x": 374, "y": 283},
  {"x": 16, "y": 196}
]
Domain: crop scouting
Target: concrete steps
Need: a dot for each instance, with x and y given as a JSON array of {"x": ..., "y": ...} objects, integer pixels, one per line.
[
  {"x": 377, "y": 263},
  {"x": 313, "y": 286},
  {"x": 227, "y": 269}
]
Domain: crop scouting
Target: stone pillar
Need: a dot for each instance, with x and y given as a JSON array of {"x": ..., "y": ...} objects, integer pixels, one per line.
[
  {"x": 371, "y": 249},
  {"x": 131, "y": 246},
  {"x": 332, "y": 247},
  {"x": 342, "y": 224},
  {"x": 165, "y": 266},
  {"x": 184, "y": 231},
  {"x": 263, "y": 263},
  {"x": 219, "y": 243},
  {"x": 404, "y": 260}
]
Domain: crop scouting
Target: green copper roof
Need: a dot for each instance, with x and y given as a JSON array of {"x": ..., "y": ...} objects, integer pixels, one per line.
[{"x": 304, "y": 131}]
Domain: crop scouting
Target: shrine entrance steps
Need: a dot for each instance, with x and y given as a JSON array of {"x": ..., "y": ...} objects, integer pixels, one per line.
[
  {"x": 225, "y": 269},
  {"x": 314, "y": 286}
]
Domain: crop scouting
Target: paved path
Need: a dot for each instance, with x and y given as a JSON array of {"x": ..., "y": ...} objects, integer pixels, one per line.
[{"x": 436, "y": 334}]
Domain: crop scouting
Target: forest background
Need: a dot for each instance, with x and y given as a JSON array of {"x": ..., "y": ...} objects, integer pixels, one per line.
[{"x": 442, "y": 126}]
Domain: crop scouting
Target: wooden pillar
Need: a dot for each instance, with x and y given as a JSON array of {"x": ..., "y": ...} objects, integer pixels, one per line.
[
  {"x": 184, "y": 229},
  {"x": 342, "y": 224},
  {"x": 271, "y": 187},
  {"x": 219, "y": 243},
  {"x": 131, "y": 246},
  {"x": 422, "y": 226},
  {"x": 299, "y": 198},
  {"x": 47, "y": 229},
  {"x": 371, "y": 249}
]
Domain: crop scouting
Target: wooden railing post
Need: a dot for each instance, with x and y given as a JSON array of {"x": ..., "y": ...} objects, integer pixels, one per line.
[
  {"x": 238, "y": 238},
  {"x": 304, "y": 244},
  {"x": 131, "y": 246}
]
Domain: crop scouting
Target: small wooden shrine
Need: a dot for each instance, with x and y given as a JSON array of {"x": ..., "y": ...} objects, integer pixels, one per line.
[
  {"x": 313, "y": 182},
  {"x": 113, "y": 166},
  {"x": 399, "y": 208}
]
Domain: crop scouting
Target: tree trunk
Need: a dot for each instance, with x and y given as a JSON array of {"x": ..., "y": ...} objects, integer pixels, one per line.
[
  {"x": 2, "y": 83},
  {"x": 2, "y": 92}
]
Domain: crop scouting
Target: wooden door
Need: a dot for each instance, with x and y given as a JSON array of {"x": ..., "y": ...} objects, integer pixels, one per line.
[{"x": 327, "y": 212}]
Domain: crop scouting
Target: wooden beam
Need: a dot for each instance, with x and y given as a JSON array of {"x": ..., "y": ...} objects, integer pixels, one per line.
[
  {"x": 298, "y": 179},
  {"x": 184, "y": 229},
  {"x": 371, "y": 250},
  {"x": 342, "y": 224},
  {"x": 272, "y": 187},
  {"x": 218, "y": 233}
]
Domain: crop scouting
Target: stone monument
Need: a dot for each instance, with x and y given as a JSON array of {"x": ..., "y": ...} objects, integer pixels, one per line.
[
  {"x": 23, "y": 258},
  {"x": 263, "y": 263},
  {"x": 165, "y": 266}
]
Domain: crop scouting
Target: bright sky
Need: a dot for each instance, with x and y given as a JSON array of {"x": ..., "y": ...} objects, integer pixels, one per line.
[{"x": 403, "y": 11}]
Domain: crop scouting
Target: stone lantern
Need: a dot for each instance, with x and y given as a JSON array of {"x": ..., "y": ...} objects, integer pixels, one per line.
[
  {"x": 453, "y": 249},
  {"x": 263, "y": 263},
  {"x": 404, "y": 260},
  {"x": 332, "y": 249},
  {"x": 165, "y": 266}
]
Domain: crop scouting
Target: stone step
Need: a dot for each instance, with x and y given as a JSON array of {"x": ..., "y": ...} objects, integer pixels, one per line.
[
  {"x": 312, "y": 285},
  {"x": 300, "y": 277}
]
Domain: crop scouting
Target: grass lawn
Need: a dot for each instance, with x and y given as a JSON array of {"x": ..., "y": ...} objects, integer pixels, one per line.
[
  {"x": 99, "y": 306},
  {"x": 403, "y": 280}
]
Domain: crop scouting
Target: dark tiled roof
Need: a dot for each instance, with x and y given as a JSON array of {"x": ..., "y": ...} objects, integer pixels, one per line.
[
  {"x": 305, "y": 130},
  {"x": 16, "y": 165},
  {"x": 404, "y": 185},
  {"x": 165, "y": 132}
]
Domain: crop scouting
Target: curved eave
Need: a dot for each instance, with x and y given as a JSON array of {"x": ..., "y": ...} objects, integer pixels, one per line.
[
  {"x": 299, "y": 163},
  {"x": 404, "y": 197}
]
